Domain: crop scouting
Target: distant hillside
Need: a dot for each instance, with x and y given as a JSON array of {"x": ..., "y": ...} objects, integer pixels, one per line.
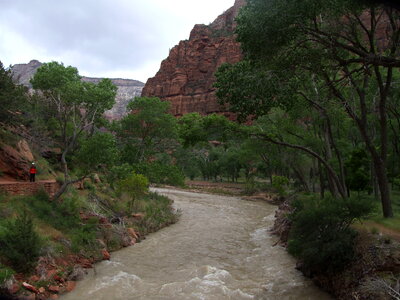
[{"x": 127, "y": 88}]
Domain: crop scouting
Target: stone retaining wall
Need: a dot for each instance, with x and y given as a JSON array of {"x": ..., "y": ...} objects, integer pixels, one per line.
[{"x": 29, "y": 188}]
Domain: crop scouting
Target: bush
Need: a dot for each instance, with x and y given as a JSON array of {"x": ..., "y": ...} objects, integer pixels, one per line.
[
  {"x": 20, "y": 244},
  {"x": 5, "y": 274},
  {"x": 158, "y": 212},
  {"x": 279, "y": 183},
  {"x": 135, "y": 186},
  {"x": 158, "y": 172},
  {"x": 62, "y": 214},
  {"x": 83, "y": 238},
  {"x": 321, "y": 236}
]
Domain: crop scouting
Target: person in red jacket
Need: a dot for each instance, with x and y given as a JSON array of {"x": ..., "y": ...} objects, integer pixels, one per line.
[{"x": 32, "y": 172}]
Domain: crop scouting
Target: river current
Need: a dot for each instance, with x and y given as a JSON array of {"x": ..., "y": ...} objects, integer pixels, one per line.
[{"x": 219, "y": 249}]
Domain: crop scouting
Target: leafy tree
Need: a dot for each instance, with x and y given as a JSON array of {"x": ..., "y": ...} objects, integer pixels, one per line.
[
  {"x": 159, "y": 172},
  {"x": 135, "y": 185},
  {"x": 100, "y": 149},
  {"x": 358, "y": 171},
  {"x": 76, "y": 106},
  {"x": 352, "y": 62},
  {"x": 148, "y": 129},
  {"x": 191, "y": 129},
  {"x": 321, "y": 235},
  {"x": 12, "y": 97}
]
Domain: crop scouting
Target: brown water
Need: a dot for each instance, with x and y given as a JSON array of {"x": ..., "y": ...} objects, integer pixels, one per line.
[{"x": 219, "y": 249}]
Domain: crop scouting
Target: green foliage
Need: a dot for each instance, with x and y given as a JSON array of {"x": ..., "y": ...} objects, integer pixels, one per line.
[
  {"x": 118, "y": 172},
  {"x": 191, "y": 129},
  {"x": 99, "y": 149},
  {"x": 158, "y": 172},
  {"x": 157, "y": 213},
  {"x": 134, "y": 185},
  {"x": 76, "y": 106},
  {"x": 358, "y": 171},
  {"x": 62, "y": 214},
  {"x": 147, "y": 130},
  {"x": 83, "y": 238},
  {"x": 19, "y": 243},
  {"x": 321, "y": 235},
  {"x": 12, "y": 97},
  {"x": 279, "y": 183},
  {"x": 5, "y": 274}
]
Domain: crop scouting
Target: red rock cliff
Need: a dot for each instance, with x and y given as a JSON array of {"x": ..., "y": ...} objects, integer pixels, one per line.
[{"x": 186, "y": 77}]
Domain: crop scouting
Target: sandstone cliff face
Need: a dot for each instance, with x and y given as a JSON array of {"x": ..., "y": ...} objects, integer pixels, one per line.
[
  {"x": 127, "y": 88},
  {"x": 186, "y": 77}
]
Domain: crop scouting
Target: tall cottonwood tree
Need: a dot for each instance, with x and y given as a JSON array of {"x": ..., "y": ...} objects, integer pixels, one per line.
[
  {"x": 350, "y": 46},
  {"x": 75, "y": 105}
]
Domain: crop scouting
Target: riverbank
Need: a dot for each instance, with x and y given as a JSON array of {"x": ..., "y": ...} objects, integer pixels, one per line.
[
  {"x": 219, "y": 249},
  {"x": 71, "y": 244},
  {"x": 372, "y": 274}
]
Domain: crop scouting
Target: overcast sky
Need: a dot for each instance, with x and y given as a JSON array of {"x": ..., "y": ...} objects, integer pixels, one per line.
[{"x": 102, "y": 38}]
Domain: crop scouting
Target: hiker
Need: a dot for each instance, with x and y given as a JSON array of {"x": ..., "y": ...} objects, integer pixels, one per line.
[{"x": 32, "y": 172}]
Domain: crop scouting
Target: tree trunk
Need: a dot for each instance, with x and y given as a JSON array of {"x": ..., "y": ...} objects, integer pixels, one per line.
[
  {"x": 321, "y": 181},
  {"x": 383, "y": 183}
]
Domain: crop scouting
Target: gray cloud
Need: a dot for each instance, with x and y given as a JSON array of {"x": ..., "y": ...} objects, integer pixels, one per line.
[{"x": 99, "y": 37}]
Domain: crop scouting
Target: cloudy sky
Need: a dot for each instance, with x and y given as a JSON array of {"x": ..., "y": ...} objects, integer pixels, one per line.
[{"x": 102, "y": 38}]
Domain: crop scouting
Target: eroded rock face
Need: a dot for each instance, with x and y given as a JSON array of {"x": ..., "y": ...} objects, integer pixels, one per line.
[
  {"x": 15, "y": 163},
  {"x": 127, "y": 88},
  {"x": 186, "y": 77}
]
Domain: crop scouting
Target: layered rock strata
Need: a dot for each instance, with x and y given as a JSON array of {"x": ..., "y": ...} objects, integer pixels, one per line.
[{"x": 186, "y": 77}]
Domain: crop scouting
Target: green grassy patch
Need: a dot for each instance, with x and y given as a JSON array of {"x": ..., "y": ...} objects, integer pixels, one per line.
[{"x": 392, "y": 223}]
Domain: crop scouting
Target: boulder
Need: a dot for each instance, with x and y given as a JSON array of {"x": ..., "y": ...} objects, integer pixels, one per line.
[
  {"x": 30, "y": 287},
  {"x": 70, "y": 285},
  {"x": 77, "y": 273},
  {"x": 106, "y": 254},
  {"x": 54, "y": 289}
]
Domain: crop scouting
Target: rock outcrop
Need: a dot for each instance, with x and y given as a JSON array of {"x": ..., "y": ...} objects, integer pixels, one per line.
[
  {"x": 15, "y": 162},
  {"x": 127, "y": 88},
  {"x": 186, "y": 77}
]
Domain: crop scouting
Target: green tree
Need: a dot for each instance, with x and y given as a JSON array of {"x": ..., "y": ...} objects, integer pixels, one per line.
[
  {"x": 352, "y": 61},
  {"x": 321, "y": 234},
  {"x": 12, "y": 97},
  {"x": 191, "y": 129},
  {"x": 135, "y": 185},
  {"x": 100, "y": 149},
  {"x": 148, "y": 129},
  {"x": 76, "y": 106}
]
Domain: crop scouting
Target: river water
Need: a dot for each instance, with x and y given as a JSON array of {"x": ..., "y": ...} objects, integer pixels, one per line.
[{"x": 219, "y": 249}]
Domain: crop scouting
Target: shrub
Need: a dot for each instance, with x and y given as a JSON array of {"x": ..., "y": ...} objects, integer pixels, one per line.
[
  {"x": 118, "y": 173},
  {"x": 83, "y": 238},
  {"x": 20, "y": 244},
  {"x": 158, "y": 212},
  {"x": 62, "y": 214},
  {"x": 158, "y": 172},
  {"x": 134, "y": 186},
  {"x": 279, "y": 183},
  {"x": 5, "y": 274},
  {"x": 321, "y": 236}
]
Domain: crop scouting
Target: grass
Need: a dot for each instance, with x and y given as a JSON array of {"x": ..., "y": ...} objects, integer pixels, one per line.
[{"x": 391, "y": 223}]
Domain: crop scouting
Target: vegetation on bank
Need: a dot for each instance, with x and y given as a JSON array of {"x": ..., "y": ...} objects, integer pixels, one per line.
[
  {"x": 83, "y": 224},
  {"x": 321, "y": 102}
]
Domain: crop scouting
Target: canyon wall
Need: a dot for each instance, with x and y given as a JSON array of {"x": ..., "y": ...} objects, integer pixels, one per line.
[
  {"x": 127, "y": 88},
  {"x": 186, "y": 76}
]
